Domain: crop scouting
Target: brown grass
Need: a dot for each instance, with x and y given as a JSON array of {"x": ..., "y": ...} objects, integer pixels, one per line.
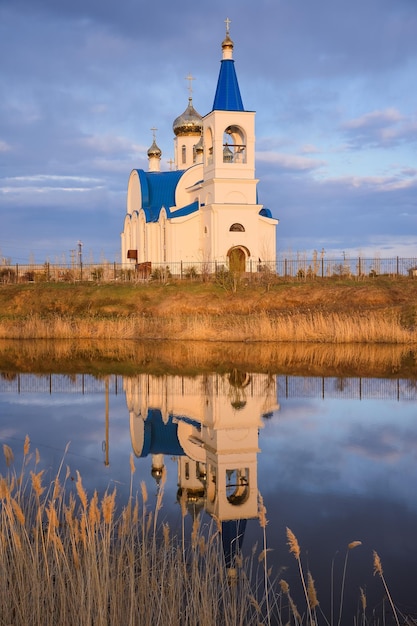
[
  {"x": 335, "y": 327},
  {"x": 382, "y": 310}
]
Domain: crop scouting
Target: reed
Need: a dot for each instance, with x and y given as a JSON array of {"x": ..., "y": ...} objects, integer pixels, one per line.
[
  {"x": 70, "y": 558},
  {"x": 333, "y": 328}
]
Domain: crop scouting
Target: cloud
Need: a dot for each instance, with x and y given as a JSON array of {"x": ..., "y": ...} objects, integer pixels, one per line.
[
  {"x": 309, "y": 149},
  {"x": 4, "y": 146},
  {"x": 375, "y": 119},
  {"x": 289, "y": 161},
  {"x": 381, "y": 128},
  {"x": 376, "y": 183},
  {"x": 110, "y": 144},
  {"x": 82, "y": 84}
]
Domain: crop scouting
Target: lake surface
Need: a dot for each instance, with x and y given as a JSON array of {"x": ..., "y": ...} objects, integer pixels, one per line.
[{"x": 335, "y": 459}]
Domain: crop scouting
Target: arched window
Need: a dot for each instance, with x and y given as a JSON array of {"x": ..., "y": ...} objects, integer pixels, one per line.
[
  {"x": 234, "y": 145},
  {"x": 237, "y": 228},
  {"x": 237, "y": 485},
  {"x": 184, "y": 154},
  {"x": 208, "y": 146}
]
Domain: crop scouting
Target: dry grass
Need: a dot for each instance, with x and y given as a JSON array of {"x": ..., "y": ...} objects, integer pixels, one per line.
[
  {"x": 382, "y": 310},
  {"x": 71, "y": 558},
  {"x": 68, "y": 558},
  {"x": 336, "y": 327}
]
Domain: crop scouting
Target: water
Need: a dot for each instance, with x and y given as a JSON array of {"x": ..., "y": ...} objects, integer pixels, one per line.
[{"x": 334, "y": 458}]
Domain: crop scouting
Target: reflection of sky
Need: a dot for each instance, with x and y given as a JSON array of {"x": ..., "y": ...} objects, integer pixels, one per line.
[
  {"x": 333, "y": 470},
  {"x": 53, "y": 421},
  {"x": 343, "y": 446},
  {"x": 336, "y": 471}
]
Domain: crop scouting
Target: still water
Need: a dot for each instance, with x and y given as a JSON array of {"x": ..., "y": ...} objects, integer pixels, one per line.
[{"x": 335, "y": 459}]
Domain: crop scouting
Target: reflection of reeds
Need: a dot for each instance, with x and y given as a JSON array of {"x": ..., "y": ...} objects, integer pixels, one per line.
[
  {"x": 171, "y": 356},
  {"x": 315, "y": 326}
]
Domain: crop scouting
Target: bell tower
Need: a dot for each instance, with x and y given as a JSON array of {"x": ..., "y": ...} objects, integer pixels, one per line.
[
  {"x": 229, "y": 136},
  {"x": 233, "y": 232}
]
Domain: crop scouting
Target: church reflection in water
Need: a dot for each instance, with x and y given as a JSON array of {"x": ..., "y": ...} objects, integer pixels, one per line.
[{"x": 210, "y": 423}]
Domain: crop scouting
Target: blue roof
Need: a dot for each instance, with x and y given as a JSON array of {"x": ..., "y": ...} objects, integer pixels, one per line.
[
  {"x": 227, "y": 96},
  {"x": 158, "y": 190},
  {"x": 162, "y": 437},
  {"x": 185, "y": 210},
  {"x": 265, "y": 212}
]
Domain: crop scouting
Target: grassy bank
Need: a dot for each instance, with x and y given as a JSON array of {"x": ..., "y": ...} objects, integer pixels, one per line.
[{"x": 379, "y": 310}]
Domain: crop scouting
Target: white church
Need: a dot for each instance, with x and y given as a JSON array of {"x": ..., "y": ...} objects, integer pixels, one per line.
[{"x": 205, "y": 209}]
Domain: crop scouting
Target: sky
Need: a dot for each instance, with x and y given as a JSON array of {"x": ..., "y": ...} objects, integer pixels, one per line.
[{"x": 333, "y": 85}]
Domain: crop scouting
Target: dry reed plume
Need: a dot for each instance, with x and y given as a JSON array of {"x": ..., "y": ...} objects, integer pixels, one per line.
[{"x": 311, "y": 598}]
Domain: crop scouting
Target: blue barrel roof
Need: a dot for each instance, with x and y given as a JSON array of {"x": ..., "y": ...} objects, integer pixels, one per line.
[
  {"x": 161, "y": 437},
  {"x": 158, "y": 190}
]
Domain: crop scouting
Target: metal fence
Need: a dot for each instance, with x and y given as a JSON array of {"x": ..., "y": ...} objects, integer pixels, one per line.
[
  {"x": 359, "y": 388},
  {"x": 299, "y": 268}
]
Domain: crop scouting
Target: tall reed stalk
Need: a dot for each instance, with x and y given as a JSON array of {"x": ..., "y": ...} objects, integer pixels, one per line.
[
  {"x": 378, "y": 570},
  {"x": 351, "y": 546},
  {"x": 295, "y": 550},
  {"x": 263, "y": 523}
]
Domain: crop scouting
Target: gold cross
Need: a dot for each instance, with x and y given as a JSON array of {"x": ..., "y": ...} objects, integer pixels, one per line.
[
  {"x": 170, "y": 163},
  {"x": 153, "y": 129},
  {"x": 227, "y": 22},
  {"x": 190, "y": 86}
]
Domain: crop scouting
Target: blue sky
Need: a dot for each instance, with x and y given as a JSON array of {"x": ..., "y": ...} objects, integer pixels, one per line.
[{"x": 333, "y": 85}]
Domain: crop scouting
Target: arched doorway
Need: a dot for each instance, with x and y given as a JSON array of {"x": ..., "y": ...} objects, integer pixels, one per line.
[{"x": 237, "y": 260}]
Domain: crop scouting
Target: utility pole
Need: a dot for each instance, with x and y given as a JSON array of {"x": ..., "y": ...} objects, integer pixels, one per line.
[{"x": 80, "y": 253}]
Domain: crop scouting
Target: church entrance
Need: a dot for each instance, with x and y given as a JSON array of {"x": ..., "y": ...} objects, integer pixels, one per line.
[{"x": 237, "y": 260}]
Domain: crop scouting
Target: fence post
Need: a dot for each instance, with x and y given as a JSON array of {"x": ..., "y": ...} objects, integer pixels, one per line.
[
  {"x": 114, "y": 270},
  {"x": 285, "y": 268},
  {"x": 398, "y": 267},
  {"x": 17, "y": 272},
  {"x": 181, "y": 270},
  {"x": 81, "y": 272},
  {"x": 359, "y": 267},
  {"x": 48, "y": 273},
  {"x": 322, "y": 267}
]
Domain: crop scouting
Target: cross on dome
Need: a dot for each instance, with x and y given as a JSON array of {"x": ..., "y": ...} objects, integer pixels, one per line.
[
  {"x": 227, "y": 22},
  {"x": 190, "y": 79}
]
